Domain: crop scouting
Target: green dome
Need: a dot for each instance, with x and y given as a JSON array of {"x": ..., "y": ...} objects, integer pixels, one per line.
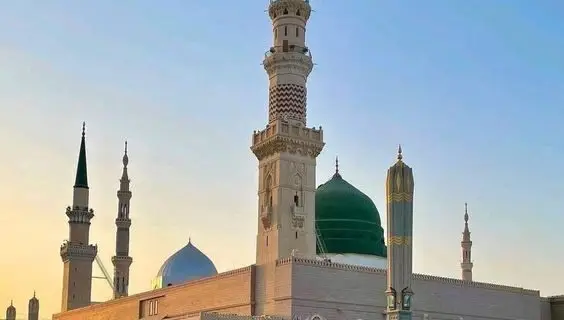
[{"x": 347, "y": 219}]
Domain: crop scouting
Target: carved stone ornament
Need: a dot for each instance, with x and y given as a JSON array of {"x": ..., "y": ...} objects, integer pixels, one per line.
[
  {"x": 279, "y": 7},
  {"x": 279, "y": 144},
  {"x": 288, "y": 62},
  {"x": 298, "y": 222}
]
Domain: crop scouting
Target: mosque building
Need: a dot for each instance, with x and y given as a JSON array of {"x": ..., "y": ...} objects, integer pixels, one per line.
[{"x": 321, "y": 252}]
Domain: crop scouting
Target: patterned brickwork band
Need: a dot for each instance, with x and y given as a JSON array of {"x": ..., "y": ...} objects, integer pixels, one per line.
[{"x": 287, "y": 101}]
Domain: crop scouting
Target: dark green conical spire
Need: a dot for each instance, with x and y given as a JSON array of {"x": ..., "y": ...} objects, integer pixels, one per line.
[{"x": 81, "y": 180}]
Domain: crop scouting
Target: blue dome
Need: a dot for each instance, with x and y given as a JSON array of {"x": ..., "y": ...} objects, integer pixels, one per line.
[{"x": 186, "y": 264}]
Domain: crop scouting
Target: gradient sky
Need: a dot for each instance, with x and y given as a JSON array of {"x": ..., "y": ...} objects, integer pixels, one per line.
[{"x": 473, "y": 90}]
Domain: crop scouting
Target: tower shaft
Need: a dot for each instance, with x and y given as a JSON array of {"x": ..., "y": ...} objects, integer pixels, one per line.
[
  {"x": 77, "y": 254},
  {"x": 399, "y": 195},
  {"x": 466, "y": 244},
  {"x": 122, "y": 261},
  {"x": 286, "y": 150}
]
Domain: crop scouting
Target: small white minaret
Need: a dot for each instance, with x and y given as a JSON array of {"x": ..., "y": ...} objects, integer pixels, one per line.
[
  {"x": 122, "y": 261},
  {"x": 466, "y": 245}
]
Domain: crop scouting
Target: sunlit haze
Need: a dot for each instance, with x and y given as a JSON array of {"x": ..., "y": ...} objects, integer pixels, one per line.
[{"x": 473, "y": 90}]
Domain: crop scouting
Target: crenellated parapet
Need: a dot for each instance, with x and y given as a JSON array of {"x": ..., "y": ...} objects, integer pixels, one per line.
[
  {"x": 78, "y": 251},
  {"x": 122, "y": 260},
  {"x": 281, "y": 136},
  {"x": 416, "y": 276}
]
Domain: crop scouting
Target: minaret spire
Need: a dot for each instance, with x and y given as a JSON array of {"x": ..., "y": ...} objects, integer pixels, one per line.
[
  {"x": 399, "y": 194},
  {"x": 76, "y": 253},
  {"x": 122, "y": 261},
  {"x": 466, "y": 265},
  {"x": 81, "y": 180}
]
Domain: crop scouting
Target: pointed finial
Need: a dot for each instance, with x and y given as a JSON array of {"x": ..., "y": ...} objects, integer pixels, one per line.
[
  {"x": 11, "y": 302},
  {"x": 400, "y": 156},
  {"x": 336, "y": 164},
  {"x": 125, "y": 158},
  {"x": 83, "y": 128},
  {"x": 189, "y": 240},
  {"x": 34, "y": 293},
  {"x": 466, "y": 212}
]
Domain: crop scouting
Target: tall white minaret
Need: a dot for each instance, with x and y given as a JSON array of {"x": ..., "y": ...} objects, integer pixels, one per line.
[
  {"x": 77, "y": 254},
  {"x": 466, "y": 265},
  {"x": 122, "y": 261},
  {"x": 286, "y": 150},
  {"x": 399, "y": 196}
]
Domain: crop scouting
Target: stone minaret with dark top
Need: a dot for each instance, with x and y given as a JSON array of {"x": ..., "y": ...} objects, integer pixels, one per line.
[
  {"x": 399, "y": 196},
  {"x": 33, "y": 308},
  {"x": 77, "y": 254},
  {"x": 122, "y": 261},
  {"x": 466, "y": 265},
  {"x": 11, "y": 312}
]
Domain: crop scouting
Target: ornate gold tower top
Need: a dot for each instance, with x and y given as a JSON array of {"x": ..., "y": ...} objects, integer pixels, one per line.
[{"x": 399, "y": 183}]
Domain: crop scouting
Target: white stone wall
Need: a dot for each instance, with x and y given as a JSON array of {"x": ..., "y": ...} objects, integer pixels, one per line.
[{"x": 339, "y": 291}]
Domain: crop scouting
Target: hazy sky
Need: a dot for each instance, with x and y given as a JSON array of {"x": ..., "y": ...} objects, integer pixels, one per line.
[{"x": 473, "y": 90}]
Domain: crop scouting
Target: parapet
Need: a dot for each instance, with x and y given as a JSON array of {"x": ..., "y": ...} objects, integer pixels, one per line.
[
  {"x": 78, "y": 250},
  {"x": 284, "y": 128},
  {"x": 283, "y": 136}
]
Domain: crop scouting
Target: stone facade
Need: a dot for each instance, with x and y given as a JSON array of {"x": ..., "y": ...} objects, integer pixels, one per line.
[
  {"x": 305, "y": 287},
  {"x": 229, "y": 292}
]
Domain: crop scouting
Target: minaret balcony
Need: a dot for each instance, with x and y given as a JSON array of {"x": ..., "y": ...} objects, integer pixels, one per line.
[
  {"x": 283, "y": 136},
  {"x": 79, "y": 214},
  {"x": 288, "y": 61},
  {"x": 122, "y": 260},
  {"x": 288, "y": 48},
  {"x": 123, "y": 222},
  {"x": 78, "y": 250}
]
